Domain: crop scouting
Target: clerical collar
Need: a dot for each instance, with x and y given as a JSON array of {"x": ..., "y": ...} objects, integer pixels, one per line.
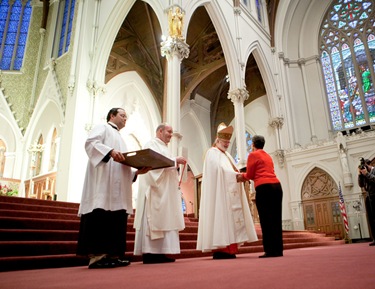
[{"x": 113, "y": 125}]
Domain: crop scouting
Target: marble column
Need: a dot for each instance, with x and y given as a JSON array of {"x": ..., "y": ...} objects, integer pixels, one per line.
[
  {"x": 277, "y": 123},
  {"x": 238, "y": 97},
  {"x": 174, "y": 49}
]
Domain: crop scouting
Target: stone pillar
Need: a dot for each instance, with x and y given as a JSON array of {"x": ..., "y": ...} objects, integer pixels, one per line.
[
  {"x": 238, "y": 97},
  {"x": 277, "y": 123},
  {"x": 290, "y": 117},
  {"x": 302, "y": 64},
  {"x": 174, "y": 48}
]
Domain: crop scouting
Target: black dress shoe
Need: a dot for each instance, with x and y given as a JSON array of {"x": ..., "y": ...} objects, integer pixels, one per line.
[
  {"x": 372, "y": 243},
  {"x": 156, "y": 258},
  {"x": 122, "y": 262},
  {"x": 223, "y": 255},
  {"x": 271, "y": 255},
  {"x": 103, "y": 264}
]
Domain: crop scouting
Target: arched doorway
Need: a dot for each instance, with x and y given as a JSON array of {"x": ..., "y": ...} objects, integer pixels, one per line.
[{"x": 320, "y": 204}]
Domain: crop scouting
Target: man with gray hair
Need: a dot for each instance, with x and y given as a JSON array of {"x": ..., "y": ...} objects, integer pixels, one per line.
[{"x": 159, "y": 216}]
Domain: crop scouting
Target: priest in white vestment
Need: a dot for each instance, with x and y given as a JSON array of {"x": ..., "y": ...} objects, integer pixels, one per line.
[
  {"x": 159, "y": 216},
  {"x": 107, "y": 195},
  {"x": 225, "y": 221}
]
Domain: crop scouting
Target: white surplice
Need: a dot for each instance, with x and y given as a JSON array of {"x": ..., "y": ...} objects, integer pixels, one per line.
[
  {"x": 224, "y": 214},
  {"x": 159, "y": 216},
  {"x": 108, "y": 185}
]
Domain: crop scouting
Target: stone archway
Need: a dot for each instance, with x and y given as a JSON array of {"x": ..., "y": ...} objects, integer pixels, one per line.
[{"x": 320, "y": 204}]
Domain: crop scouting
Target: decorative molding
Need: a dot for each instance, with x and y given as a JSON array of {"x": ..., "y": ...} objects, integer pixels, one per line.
[
  {"x": 173, "y": 45},
  {"x": 238, "y": 95},
  {"x": 276, "y": 122},
  {"x": 95, "y": 89},
  {"x": 280, "y": 155},
  {"x": 88, "y": 127},
  {"x": 35, "y": 148},
  {"x": 237, "y": 11},
  {"x": 318, "y": 183},
  {"x": 300, "y": 61}
]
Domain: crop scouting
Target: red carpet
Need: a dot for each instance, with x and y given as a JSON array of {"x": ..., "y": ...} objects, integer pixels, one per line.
[
  {"x": 350, "y": 266},
  {"x": 39, "y": 234}
]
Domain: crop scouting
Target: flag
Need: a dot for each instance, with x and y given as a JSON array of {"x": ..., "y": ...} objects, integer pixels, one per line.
[{"x": 343, "y": 210}]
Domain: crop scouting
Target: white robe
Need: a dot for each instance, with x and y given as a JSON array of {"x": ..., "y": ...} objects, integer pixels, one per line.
[
  {"x": 224, "y": 214},
  {"x": 159, "y": 215},
  {"x": 108, "y": 185}
]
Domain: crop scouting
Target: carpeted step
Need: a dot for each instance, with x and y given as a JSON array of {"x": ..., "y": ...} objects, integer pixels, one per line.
[
  {"x": 313, "y": 244},
  {"x": 30, "y": 223},
  {"x": 41, "y": 262},
  {"x": 38, "y": 208},
  {"x": 20, "y": 200},
  {"x": 43, "y": 234},
  {"x": 36, "y": 248},
  {"x": 38, "y": 215}
]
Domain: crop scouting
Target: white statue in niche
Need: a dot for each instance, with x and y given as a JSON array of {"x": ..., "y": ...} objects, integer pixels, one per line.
[{"x": 341, "y": 145}]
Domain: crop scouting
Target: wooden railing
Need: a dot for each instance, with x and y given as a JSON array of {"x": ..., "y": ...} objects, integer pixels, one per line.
[{"x": 43, "y": 187}]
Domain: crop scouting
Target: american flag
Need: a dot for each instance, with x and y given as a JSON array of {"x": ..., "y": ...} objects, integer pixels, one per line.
[{"x": 343, "y": 210}]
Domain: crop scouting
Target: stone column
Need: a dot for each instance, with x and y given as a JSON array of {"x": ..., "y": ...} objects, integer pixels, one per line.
[
  {"x": 238, "y": 97},
  {"x": 174, "y": 48},
  {"x": 96, "y": 91},
  {"x": 277, "y": 123},
  {"x": 291, "y": 116},
  {"x": 302, "y": 64}
]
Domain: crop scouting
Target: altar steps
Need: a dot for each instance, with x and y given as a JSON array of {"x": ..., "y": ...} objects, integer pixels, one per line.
[{"x": 43, "y": 234}]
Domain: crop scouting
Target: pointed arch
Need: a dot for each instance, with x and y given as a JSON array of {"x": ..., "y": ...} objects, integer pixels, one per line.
[
  {"x": 110, "y": 29},
  {"x": 128, "y": 90},
  {"x": 256, "y": 49}
]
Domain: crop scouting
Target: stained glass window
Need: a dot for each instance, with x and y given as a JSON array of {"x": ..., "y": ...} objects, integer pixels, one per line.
[
  {"x": 249, "y": 141},
  {"x": 14, "y": 26},
  {"x": 259, "y": 9},
  {"x": 66, "y": 27},
  {"x": 347, "y": 52}
]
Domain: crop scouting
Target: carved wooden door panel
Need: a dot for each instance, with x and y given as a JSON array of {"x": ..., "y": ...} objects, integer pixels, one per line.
[
  {"x": 320, "y": 204},
  {"x": 310, "y": 220},
  {"x": 323, "y": 216},
  {"x": 337, "y": 222}
]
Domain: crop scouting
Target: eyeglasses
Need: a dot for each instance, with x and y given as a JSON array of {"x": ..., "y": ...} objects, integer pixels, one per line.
[{"x": 225, "y": 141}]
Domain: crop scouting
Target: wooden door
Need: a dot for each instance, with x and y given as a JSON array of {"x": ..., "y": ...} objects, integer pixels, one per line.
[{"x": 324, "y": 216}]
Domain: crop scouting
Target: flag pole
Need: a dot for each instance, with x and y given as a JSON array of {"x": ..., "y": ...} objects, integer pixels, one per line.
[{"x": 344, "y": 215}]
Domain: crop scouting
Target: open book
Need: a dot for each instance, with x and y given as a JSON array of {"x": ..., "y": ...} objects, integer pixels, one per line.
[{"x": 147, "y": 158}]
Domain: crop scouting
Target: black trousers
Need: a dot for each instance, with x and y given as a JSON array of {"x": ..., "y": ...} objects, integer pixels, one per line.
[
  {"x": 103, "y": 232},
  {"x": 268, "y": 200},
  {"x": 370, "y": 212}
]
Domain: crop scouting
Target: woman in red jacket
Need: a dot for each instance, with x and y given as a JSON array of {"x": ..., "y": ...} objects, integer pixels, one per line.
[{"x": 269, "y": 195}]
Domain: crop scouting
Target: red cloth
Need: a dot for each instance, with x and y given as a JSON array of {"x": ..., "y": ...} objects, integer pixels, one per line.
[
  {"x": 231, "y": 249},
  {"x": 260, "y": 168}
]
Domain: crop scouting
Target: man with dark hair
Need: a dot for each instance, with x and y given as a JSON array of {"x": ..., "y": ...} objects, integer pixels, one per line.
[
  {"x": 366, "y": 180},
  {"x": 107, "y": 195},
  {"x": 268, "y": 197}
]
